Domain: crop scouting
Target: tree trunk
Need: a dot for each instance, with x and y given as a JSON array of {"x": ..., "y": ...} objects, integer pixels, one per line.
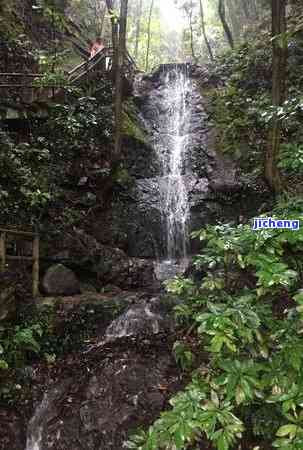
[
  {"x": 222, "y": 15},
  {"x": 102, "y": 21},
  {"x": 279, "y": 65},
  {"x": 245, "y": 8},
  {"x": 233, "y": 13},
  {"x": 115, "y": 33},
  {"x": 149, "y": 34},
  {"x": 138, "y": 27},
  {"x": 204, "y": 32},
  {"x": 255, "y": 10},
  {"x": 190, "y": 15},
  {"x": 119, "y": 49},
  {"x": 119, "y": 81}
]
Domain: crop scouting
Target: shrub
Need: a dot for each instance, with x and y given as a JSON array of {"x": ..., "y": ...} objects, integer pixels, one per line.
[{"x": 251, "y": 332}]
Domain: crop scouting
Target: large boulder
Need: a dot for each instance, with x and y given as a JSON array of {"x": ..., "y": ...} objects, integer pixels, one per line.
[
  {"x": 7, "y": 295},
  {"x": 59, "y": 280},
  {"x": 105, "y": 264}
]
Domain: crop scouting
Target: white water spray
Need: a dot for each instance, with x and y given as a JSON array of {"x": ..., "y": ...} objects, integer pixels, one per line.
[
  {"x": 171, "y": 147},
  {"x": 35, "y": 427}
]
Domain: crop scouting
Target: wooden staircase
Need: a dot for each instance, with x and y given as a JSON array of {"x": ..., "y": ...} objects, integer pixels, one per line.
[{"x": 100, "y": 65}]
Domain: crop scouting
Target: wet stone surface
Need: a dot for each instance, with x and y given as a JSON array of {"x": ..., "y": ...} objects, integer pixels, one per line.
[{"x": 118, "y": 387}]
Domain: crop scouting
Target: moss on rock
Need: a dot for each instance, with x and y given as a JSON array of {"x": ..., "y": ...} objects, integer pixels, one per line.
[{"x": 131, "y": 126}]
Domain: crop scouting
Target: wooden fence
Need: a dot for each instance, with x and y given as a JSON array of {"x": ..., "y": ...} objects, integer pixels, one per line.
[
  {"x": 4, "y": 257},
  {"x": 102, "y": 62}
]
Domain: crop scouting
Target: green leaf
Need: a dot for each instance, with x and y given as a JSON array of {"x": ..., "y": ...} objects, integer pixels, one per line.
[
  {"x": 3, "y": 364},
  {"x": 285, "y": 430},
  {"x": 241, "y": 261},
  {"x": 222, "y": 443},
  {"x": 179, "y": 439},
  {"x": 240, "y": 395},
  {"x": 214, "y": 398},
  {"x": 299, "y": 298}
]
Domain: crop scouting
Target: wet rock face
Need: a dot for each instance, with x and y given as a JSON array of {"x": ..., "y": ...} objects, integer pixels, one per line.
[
  {"x": 98, "y": 408},
  {"x": 119, "y": 244},
  {"x": 141, "y": 161},
  {"x": 133, "y": 222},
  {"x": 214, "y": 191},
  {"x": 84, "y": 254},
  {"x": 99, "y": 396},
  {"x": 147, "y": 317},
  {"x": 12, "y": 430}
]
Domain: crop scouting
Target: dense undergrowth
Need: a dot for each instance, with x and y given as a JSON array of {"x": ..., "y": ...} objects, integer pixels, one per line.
[
  {"x": 242, "y": 111},
  {"x": 246, "y": 319},
  {"x": 38, "y": 171}
]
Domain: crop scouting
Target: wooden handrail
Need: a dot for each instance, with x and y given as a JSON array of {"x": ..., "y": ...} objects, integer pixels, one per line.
[
  {"x": 18, "y": 74},
  {"x": 77, "y": 67},
  {"x": 74, "y": 75},
  {"x": 34, "y": 258},
  {"x": 32, "y": 86},
  {"x": 104, "y": 52},
  {"x": 17, "y": 232},
  {"x": 89, "y": 65}
]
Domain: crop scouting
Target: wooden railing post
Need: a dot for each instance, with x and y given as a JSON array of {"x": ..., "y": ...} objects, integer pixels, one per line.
[
  {"x": 34, "y": 258},
  {"x": 2, "y": 251},
  {"x": 36, "y": 266}
]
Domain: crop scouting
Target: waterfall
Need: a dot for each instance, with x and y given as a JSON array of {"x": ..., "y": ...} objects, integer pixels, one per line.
[
  {"x": 171, "y": 142},
  {"x": 35, "y": 427},
  {"x": 44, "y": 414}
]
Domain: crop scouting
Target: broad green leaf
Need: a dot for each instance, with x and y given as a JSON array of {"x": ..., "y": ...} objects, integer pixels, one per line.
[
  {"x": 285, "y": 430},
  {"x": 240, "y": 395},
  {"x": 3, "y": 364}
]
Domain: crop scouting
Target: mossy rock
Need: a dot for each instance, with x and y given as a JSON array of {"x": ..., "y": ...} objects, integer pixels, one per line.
[{"x": 131, "y": 126}]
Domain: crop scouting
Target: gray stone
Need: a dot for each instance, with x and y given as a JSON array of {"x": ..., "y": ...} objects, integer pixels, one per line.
[{"x": 59, "y": 280}]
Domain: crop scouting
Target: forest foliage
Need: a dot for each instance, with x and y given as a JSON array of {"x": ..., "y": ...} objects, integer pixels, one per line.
[{"x": 242, "y": 323}]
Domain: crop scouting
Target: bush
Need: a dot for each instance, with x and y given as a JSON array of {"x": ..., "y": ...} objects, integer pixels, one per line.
[
  {"x": 24, "y": 190},
  {"x": 247, "y": 317}
]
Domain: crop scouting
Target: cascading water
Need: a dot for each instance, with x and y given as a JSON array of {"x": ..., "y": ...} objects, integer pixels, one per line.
[
  {"x": 175, "y": 205},
  {"x": 171, "y": 143},
  {"x": 43, "y": 414}
]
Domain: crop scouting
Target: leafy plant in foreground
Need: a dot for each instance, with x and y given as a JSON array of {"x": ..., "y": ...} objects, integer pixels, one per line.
[{"x": 255, "y": 355}]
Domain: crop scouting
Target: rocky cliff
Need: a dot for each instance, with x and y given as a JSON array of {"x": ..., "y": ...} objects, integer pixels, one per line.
[{"x": 215, "y": 188}]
